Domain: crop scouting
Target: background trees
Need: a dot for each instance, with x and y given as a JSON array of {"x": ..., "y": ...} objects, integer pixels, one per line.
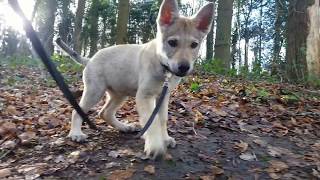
[
  {"x": 223, "y": 32},
  {"x": 273, "y": 38}
]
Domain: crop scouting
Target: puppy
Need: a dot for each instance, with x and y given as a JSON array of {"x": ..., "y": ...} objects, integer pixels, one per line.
[{"x": 139, "y": 70}]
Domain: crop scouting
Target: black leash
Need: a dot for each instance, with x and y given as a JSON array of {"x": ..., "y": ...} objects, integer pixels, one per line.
[
  {"x": 158, "y": 106},
  {"x": 48, "y": 63}
]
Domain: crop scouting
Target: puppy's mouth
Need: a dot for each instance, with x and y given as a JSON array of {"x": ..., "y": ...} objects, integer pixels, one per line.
[
  {"x": 179, "y": 74},
  {"x": 166, "y": 68}
]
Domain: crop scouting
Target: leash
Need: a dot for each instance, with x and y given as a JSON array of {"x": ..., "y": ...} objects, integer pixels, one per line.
[
  {"x": 158, "y": 105},
  {"x": 31, "y": 34}
]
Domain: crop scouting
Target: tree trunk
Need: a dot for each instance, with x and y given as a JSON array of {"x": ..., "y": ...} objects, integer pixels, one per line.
[
  {"x": 93, "y": 29},
  {"x": 223, "y": 34},
  {"x": 65, "y": 24},
  {"x": 35, "y": 9},
  {"x": 276, "y": 41},
  {"x": 239, "y": 51},
  {"x": 123, "y": 17},
  {"x": 260, "y": 33},
  {"x": 313, "y": 42},
  {"x": 234, "y": 41},
  {"x": 209, "y": 52},
  {"x": 10, "y": 42},
  {"x": 297, "y": 32},
  {"x": 246, "y": 50},
  {"x": 45, "y": 20},
  {"x": 78, "y": 25}
]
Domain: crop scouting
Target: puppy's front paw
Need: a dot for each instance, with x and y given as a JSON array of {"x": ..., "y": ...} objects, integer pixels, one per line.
[
  {"x": 170, "y": 142},
  {"x": 128, "y": 128},
  {"x": 77, "y": 136},
  {"x": 154, "y": 148}
]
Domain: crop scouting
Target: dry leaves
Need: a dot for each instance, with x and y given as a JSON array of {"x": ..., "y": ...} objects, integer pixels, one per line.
[
  {"x": 275, "y": 168},
  {"x": 26, "y": 137},
  {"x": 5, "y": 172},
  {"x": 121, "y": 174},
  {"x": 150, "y": 169},
  {"x": 241, "y": 146},
  {"x": 248, "y": 156}
]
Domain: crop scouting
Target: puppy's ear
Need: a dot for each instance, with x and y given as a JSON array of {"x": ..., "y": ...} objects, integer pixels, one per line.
[
  {"x": 168, "y": 12},
  {"x": 204, "y": 17}
]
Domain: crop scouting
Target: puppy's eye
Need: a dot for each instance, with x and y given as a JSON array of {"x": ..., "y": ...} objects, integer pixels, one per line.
[
  {"x": 173, "y": 42},
  {"x": 194, "y": 45}
]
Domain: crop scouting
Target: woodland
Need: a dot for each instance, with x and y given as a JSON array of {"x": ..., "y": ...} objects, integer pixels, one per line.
[{"x": 250, "y": 110}]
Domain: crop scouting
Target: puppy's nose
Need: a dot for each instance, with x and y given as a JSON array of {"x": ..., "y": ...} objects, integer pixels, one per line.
[{"x": 184, "y": 67}]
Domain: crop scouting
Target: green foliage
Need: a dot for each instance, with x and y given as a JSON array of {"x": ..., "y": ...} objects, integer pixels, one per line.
[
  {"x": 214, "y": 66},
  {"x": 314, "y": 81},
  {"x": 195, "y": 87},
  {"x": 66, "y": 65},
  {"x": 15, "y": 61}
]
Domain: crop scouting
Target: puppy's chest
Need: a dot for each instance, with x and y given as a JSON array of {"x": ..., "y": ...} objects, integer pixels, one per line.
[{"x": 154, "y": 88}]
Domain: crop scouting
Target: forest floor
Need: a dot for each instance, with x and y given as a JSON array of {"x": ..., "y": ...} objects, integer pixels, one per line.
[{"x": 224, "y": 128}]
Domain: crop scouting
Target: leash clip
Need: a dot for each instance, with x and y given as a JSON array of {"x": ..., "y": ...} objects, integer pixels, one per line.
[{"x": 167, "y": 75}]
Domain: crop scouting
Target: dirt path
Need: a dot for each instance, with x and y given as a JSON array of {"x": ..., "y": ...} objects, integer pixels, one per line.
[{"x": 224, "y": 130}]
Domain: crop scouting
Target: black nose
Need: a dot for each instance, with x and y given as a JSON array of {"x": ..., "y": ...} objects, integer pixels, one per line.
[{"x": 184, "y": 68}]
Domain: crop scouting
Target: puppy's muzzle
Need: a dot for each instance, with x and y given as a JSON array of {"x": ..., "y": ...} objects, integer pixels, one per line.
[{"x": 183, "y": 69}]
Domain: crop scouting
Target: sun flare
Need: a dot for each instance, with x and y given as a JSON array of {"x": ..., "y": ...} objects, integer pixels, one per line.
[{"x": 9, "y": 17}]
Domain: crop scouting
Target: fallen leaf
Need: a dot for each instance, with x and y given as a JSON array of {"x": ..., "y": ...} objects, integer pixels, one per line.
[
  {"x": 242, "y": 146},
  {"x": 112, "y": 164},
  {"x": 260, "y": 142},
  {"x": 278, "y": 108},
  {"x": 9, "y": 144},
  {"x": 26, "y": 137},
  {"x": 198, "y": 117},
  {"x": 74, "y": 155},
  {"x": 248, "y": 156},
  {"x": 114, "y": 154},
  {"x": 121, "y": 174},
  {"x": 5, "y": 172},
  {"x": 274, "y": 175},
  {"x": 207, "y": 178},
  {"x": 217, "y": 171},
  {"x": 8, "y": 127},
  {"x": 277, "y": 166},
  {"x": 12, "y": 110},
  {"x": 274, "y": 152},
  {"x": 316, "y": 173},
  {"x": 32, "y": 171},
  {"x": 150, "y": 169},
  {"x": 316, "y": 146},
  {"x": 168, "y": 157},
  {"x": 219, "y": 112},
  {"x": 59, "y": 159}
]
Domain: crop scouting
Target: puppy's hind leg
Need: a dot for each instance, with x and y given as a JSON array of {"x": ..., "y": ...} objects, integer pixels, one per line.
[
  {"x": 91, "y": 96},
  {"x": 109, "y": 110}
]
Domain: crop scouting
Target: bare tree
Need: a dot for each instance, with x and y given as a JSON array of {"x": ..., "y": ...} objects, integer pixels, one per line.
[
  {"x": 297, "y": 32},
  {"x": 78, "y": 25},
  {"x": 223, "y": 34},
  {"x": 123, "y": 17},
  {"x": 209, "y": 52},
  {"x": 46, "y": 16},
  {"x": 93, "y": 30}
]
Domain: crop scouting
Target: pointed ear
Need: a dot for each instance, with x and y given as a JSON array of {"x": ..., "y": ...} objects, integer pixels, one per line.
[
  {"x": 204, "y": 17},
  {"x": 168, "y": 12}
]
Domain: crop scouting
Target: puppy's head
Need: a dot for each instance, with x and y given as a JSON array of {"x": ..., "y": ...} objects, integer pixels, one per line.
[{"x": 180, "y": 37}]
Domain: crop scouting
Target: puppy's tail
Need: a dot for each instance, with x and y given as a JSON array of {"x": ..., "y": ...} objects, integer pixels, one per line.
[{"x": 74, "y": 55}]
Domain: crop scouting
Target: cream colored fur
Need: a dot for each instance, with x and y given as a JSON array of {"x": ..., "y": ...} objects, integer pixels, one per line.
[{"x": 138, "y": 70}]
